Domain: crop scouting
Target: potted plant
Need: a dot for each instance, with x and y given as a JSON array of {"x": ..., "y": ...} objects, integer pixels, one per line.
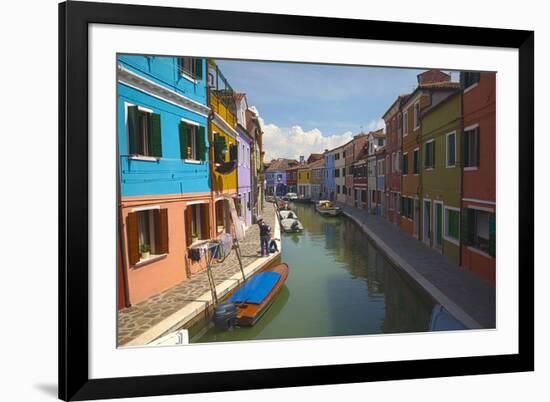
[
  {"x": 194, "y": 238},
  {"x": 145, "y": 251}
]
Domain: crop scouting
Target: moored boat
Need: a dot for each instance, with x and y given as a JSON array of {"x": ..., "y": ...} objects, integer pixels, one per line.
[
  {"x": 249, "y": 302},
  {"x": 288, "y": 215},
  {"x": 291, "y": 225},
  {"x": 327, "y": 208}
]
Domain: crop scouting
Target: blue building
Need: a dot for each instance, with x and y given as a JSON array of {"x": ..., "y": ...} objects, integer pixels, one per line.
[
  {"x": 329, "y": 184},
  {"x": 165, "y": 206}
]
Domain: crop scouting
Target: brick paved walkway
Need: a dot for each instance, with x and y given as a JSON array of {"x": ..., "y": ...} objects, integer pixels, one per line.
[
  {"x": 135, "y": 320},
  {"x": 473, "y": 295}
]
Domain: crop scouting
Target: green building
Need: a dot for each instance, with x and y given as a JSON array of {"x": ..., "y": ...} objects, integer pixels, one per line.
[{"x": 440, "y": 173}]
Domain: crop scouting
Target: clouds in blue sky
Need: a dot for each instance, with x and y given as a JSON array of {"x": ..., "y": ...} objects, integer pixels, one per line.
[{"x": 309, "y": 107}]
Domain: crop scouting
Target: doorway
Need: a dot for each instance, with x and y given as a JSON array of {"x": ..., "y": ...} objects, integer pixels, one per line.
[
  {"x": 438, "y": 225},
  {"x": 427, "y": 223}
]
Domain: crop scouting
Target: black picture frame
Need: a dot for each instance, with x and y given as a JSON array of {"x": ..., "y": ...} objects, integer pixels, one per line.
[{"x": 74, "y": 18}]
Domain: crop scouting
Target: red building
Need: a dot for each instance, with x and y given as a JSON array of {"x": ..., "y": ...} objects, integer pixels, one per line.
[
  {"x": 393, "y": 120},
  {"x": 478, "y": 231},
  {"x": 292, "y": 179},
  {"x": 352, "y": 150}
]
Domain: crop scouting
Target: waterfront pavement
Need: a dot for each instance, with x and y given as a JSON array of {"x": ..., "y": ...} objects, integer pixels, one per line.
[
  {"x": 160, "y": 312},
  {"x": 468, "y": 297}
]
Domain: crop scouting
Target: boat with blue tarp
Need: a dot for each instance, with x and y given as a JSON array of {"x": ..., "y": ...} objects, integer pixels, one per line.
[{"x": 249, "y": 302}]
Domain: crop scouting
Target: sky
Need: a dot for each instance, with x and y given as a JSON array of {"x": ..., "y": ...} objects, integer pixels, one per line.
[{"x": 307, "y": 108}]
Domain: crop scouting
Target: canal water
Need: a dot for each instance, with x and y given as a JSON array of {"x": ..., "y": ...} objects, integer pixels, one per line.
[{"x": 338, "y": 284}]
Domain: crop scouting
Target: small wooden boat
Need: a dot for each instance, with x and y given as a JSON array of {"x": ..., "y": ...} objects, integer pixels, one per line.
[
  {"x": 327, "y": 208},
  {"x": 258, "y": 293},
  {"x": 292, "y": 225},
  {"x": 288, "y": 215}
]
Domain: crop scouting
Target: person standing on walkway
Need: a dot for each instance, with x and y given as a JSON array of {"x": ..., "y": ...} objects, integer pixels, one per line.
[{"x": 264, "y": 237}]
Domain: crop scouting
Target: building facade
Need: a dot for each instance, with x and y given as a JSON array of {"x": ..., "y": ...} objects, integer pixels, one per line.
[
  {"x": 479, "y": 174},
  {"x": 348, "y": 172},
  {"x": 394, "y": 120},
  {"x": 276, "y": 180},
  {"x": 433, "y": 86},
  {"x": 292, "y": 180},
  {"x": 304, "y": 181},
  {"x": 244, "y": 178},
  {"x": 329, "y": 183},
  {"x": 255, "y": 133},
  {"x": 360, "y": 175},
  {"x": 340, "y": 173},
  {"x": 224, "y": 149},
  {"x": 317, "y": 169},
  {"x": 162, "y": 141},
  {"x": 441, "y": 176}
]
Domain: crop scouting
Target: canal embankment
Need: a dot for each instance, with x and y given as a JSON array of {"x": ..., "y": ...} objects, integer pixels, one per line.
[
  {"x": 467, "y": 297},
  {"x": 186, "y": 303}
]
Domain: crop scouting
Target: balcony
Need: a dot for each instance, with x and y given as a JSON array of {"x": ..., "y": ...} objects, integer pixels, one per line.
[{"x": 221, "y": 104}]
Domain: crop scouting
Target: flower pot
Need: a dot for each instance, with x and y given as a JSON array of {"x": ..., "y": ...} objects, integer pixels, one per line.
[{"x": 145, "y": 255}]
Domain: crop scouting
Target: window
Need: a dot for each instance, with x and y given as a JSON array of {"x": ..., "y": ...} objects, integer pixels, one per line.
[
  {"x": 220, "y": 216},
  {"x": 407, "y": 207},
  {"x": 451, "y": 149},
  {"x": 196, "y": 223},
  {"x": 337, "y": 156},
  {"x": 191, "y": 67},
  {"x": 344, "y": 190},
  {"x": 343, "y": 171},
  {"x": 337, "y": 189},
  {"x": 400, "y": 124},
  {"x": 416, "y": 166},
  {"x": 192, "y": 142},
  {"x": 480, "y": 230},
  {"x": 144, "y": 134},
  {"x": 380, "y": 142},
  {"x": 417, "y": 115},
  {"x": 147, "y": 233},
  {"x": 220, "y": 149},
  {"x": 344, "y": 154},
  {"x": 405, "y": 123},
  {"x": 471, "y": 147},
  {"x": 336, "y": 172},
  {"x": 429, "y": 155},
  {"x": 363, "y": 195},
  {"x": 469, "y": 78},
  {"x": 405, "y": 163},
  {"x": 452, "y": 224}
]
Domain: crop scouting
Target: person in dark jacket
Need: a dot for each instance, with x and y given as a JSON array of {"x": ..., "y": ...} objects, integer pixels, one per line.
[{"x": 264, "y": 237}]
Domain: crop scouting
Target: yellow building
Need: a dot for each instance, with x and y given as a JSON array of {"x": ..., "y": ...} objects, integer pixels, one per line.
[
  {"x": 223, "y": 143},
  {"x": 304, "y": 181}
]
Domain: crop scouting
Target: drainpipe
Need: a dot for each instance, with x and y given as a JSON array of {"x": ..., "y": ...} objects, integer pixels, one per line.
[
  {"x": 121, "y": 238},
  {"x": 210, "y": 160}
]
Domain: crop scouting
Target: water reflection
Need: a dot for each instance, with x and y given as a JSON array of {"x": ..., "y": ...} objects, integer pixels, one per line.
[{"x": 339, "y": 284}]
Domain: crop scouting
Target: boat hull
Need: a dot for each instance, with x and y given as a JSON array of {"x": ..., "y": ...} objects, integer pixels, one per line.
[
  {"x": 329, "y": 212},
  {"x": 250, "y": 313}
]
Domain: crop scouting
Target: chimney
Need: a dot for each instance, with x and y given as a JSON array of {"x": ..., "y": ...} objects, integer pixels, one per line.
[{"x": 431, "y": 76}]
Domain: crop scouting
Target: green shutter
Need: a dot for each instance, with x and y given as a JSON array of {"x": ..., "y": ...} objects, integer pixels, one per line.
[
  {"x": 133, "y": 130},
  {"x": 232, "y": 152},
  {"x": 197, "y": 70},
  {"x": 219, "y": 146},
  {"x": 155, "y": 143},
  {"x": 492, "y": 234},
  {"x": 183, "y": 139},
  {"x": 453, "y": 224},
  {"x": 201, "y": 144}
]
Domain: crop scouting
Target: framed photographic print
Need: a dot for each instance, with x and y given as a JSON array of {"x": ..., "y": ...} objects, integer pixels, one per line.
[{"x": 257, "y": 200}]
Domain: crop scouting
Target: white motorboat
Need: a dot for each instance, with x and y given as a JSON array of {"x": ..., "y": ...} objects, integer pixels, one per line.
[{"x": 327, "y": 208}]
